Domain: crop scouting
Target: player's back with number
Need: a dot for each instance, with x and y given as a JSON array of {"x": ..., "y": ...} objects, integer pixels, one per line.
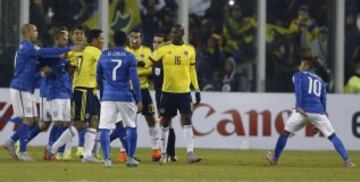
[
  {"x": 115, "y": 65},
  {"x": 310, "y": 92}
]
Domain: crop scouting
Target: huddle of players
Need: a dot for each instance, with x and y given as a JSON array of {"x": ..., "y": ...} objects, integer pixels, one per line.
[{"x": 68, "y": 82}]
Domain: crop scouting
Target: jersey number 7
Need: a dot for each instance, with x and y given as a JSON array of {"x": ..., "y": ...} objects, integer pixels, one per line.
[{"x": 118, "y": 61}]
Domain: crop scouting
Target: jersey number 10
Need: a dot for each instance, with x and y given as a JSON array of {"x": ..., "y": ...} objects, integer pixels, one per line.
[
  {"x": 118, "y": 64},
  {"x": 314, "y": 87}
]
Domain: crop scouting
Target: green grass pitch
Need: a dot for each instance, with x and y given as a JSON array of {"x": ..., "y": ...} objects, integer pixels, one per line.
[{"x": 218, "y": 165}]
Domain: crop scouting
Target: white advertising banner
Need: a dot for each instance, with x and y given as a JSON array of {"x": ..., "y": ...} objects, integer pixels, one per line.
[{"x": 239, "y": 121}]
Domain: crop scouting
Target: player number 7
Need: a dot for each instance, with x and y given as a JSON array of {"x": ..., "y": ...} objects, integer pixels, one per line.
[{"x": 118, "y": 61}]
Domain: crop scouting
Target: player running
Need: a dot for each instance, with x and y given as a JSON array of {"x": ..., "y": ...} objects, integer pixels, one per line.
[
  {"x": 179, "y": 73},
  {"x": 310, "y": 107},
  {"x": 115, "y": 70}
]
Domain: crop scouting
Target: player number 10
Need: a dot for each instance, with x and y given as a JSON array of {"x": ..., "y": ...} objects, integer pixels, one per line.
[
  {"x": 118, "y": 61},
  {"x": 314, "y": 86}
]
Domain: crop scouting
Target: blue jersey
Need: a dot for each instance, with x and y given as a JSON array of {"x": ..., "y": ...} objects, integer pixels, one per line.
[
  {"x": 59, "y": 82},
  {"x": 43, "y": 87},
  {"x": 26, "y": 63},
  {"x": 115, "y": 69},
  {"x": 310, "y": 92}
]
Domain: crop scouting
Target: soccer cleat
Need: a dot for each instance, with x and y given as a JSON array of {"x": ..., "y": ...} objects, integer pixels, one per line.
[
  {"x": 131, "y": 162},
  {"x": 172, "y": 158},
  {"x": 67, "y": 156},
  {"x": 10, "y": 147},
  {"x": 269, "y": 156},
  {"x": 163, "y": 159},
  {"x": 91, "y": 159},
  {"x": 107, "y": 163},
  {"x": 17, "y": 147},
  {"x": 51, "y": 156},
  {"x": 122, "y": 157},
  {"x": 349, "y": 164},
  {"x": 45, "y": 155},
  {"x": 155, "y": 154},
  {"x": 24, "y": 156},
  {"x": 192, "y": 158},
  {"x": 59, "y": 156},
  {"x": 80, "y": 152}
]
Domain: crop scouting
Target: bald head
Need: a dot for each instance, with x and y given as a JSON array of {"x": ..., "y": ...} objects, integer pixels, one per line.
[
  {"x": 177, "y": 33},
  {"x": 29, "y": 32}
]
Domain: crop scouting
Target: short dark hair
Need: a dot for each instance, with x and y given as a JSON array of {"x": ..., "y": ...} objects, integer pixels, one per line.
[
  {"x": 137, "y": 30},
  {"x": 80, "y": 27},
  {"x": 93, "y": 34},
  {"x": 311, "y": 61},
  {"x": 120, "y": 38}
]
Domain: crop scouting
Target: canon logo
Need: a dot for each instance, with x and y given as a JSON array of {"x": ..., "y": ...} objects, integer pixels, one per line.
[{"x": 254, "y": 118}]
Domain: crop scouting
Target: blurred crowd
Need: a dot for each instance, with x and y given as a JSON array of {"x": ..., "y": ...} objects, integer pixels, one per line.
[{"x": 224, "y": 35}]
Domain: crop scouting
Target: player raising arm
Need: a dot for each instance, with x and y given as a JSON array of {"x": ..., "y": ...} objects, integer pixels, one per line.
[
  {"x": 310, "y": 107},
  {"x": 22, "y": 87}
]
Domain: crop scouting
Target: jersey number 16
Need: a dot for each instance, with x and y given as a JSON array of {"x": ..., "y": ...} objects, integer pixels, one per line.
[{"x": 314, "y": 87}]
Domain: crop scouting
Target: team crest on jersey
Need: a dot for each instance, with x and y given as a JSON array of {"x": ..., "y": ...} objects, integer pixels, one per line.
[
  {"x": 162, "y": 110},
  {"x": 169, "y": 52},
  {"x": 186, "y": 53},
  {"x": 55, "y": 113},
  {"x": 28, "y": 110},
  {"x": 142, "y": 55}
]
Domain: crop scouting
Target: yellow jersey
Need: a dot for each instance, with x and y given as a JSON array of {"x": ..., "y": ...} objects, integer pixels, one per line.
[
  {"x": 143, "y": 54},
  {"x": 85, "y": 62},
  {"x": 178, "y": 67}
]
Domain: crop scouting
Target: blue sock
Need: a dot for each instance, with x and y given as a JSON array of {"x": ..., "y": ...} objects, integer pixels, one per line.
[
  {"x": 15, "y": 136},
  {"x": 105, "y": 143},
  {"x": 114, "y": 135},
  {"x": 60, "y": 132},
  {"x": 53, "y": 134},
  {"x": 82, "y": 137},
  {"x": 280, "y": 145},
  {"x": 122, "y": 134},
  {"x": 34, "y": 131},
  {"x": 23, "y": 136},
  {"x": 339, "y": 146},
  {"x": 131, "y": 141}
]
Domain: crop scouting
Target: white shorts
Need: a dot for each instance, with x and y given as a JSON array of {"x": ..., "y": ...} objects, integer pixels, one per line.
[
  {"x": 24, "y": 104},
  {"x": 320, "y": 121},
  {"x": 60, "y": 109},
  {"x": 110, "y": 111},
  {"x": 45, "y": 110}
]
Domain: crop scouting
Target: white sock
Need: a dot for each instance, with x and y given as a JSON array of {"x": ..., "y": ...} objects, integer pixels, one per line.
[
  {"x": 97, "y": 145},
  {"x": 154, "y": 134},
  {"x": 164, "y": 132},
  {"x": 90, "y": 136},
  {"x": 65, "y": 137},
  {"x": 122, "y": 148},
  {"x": 189, "y": 138},
  {"x": 68, "y": 146}
]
